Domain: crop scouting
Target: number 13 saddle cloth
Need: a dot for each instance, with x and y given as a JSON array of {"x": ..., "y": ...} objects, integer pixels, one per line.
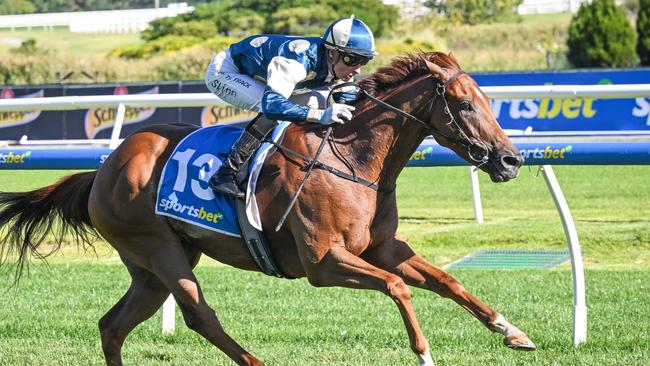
[{"x": 183, "y": 192}]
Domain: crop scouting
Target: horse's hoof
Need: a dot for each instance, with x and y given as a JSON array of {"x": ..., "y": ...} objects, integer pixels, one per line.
[
  {"x": 425, "y": 359},
  {"x": 519, "y": 341}
]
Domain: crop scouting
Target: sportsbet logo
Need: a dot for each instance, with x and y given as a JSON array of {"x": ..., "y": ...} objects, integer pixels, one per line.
[
  {"x": 198, "y": 212},
  {"x": 537, "y": 153},
  {"x": 422, "y": 154},
  {"x": 11, "y": 158},
  {"x": 546, "y": 108},
  {"x": 547, "y": 153}
]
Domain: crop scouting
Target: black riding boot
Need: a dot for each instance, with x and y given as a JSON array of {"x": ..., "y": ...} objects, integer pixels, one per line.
[{"x": 226, "y": 179}]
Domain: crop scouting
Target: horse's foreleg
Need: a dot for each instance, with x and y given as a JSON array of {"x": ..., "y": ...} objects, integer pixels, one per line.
[
  {"x": 341, "y": 268},
  {"x": 398, "y": 257}
]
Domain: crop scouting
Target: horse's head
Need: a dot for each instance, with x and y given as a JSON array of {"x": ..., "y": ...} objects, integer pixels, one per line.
[{"x": 462, "y": 120}]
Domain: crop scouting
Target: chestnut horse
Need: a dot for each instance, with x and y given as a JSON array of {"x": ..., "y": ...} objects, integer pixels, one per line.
[{"x": 339, "y": 233}]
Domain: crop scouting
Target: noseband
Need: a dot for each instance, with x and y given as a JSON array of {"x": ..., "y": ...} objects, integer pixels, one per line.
[{"x": 476, "y": 150}]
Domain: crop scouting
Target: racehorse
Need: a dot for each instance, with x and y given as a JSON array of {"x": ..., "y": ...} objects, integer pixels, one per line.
[{"x": 339, "y": 233}]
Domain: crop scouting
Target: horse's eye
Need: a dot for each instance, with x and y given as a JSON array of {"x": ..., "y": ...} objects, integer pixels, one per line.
[{"x": 466, "y": 105}]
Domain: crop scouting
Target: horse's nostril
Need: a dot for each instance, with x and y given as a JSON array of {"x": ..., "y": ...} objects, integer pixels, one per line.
[{"x": 511, "y": 160}]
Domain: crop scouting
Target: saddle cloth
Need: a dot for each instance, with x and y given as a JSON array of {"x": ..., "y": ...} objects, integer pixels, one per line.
[{"x": 183, "y": 191}]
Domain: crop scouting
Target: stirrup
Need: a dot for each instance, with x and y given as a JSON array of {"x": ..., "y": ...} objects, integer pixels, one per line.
[{"x": 225, "y": 182}]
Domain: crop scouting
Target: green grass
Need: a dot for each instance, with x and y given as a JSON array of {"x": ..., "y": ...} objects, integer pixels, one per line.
[
  {"x": 51, "y": 318},
  {"x": 610, "y": 206},
  {"x": 62, "y": 41}
]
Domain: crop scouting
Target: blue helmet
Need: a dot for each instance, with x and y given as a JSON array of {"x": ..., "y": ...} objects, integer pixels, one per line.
[{"x": 351, "y": 36}]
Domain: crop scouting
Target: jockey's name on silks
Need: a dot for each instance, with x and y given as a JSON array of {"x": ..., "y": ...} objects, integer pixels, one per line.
[{"x": 183, "y": 192}]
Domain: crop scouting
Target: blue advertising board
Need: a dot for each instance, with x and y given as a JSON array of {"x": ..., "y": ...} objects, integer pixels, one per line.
[
  {"x": 427, "y": 154},
  {"x": 571, "y": 114}
]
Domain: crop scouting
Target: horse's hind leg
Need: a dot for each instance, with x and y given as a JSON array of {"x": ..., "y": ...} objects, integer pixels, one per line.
[
  {"x": 145, "y": 295},
  {"x": 398, "y": 257},
  {"x": 167, "y": 263}
]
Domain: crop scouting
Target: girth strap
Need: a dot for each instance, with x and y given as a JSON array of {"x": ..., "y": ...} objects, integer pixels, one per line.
[{"x": 257, "y": 244}]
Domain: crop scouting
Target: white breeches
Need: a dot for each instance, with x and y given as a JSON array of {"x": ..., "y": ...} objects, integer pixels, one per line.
[{"x": 224, "y": 79}]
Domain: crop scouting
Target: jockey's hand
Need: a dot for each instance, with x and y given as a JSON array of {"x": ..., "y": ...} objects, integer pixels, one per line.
[{"x": 336, "y": 113}]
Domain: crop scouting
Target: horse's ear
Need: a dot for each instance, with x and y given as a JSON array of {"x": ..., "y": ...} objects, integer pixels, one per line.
[
  {"x": 437, "y": 71},
  {"x": 453, "y": 57}
]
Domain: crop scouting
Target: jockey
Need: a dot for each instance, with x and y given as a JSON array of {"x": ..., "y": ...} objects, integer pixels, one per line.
[{"x": 261, "y": 72}]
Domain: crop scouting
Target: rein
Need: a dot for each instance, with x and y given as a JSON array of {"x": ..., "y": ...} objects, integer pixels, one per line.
[{"x": 460, "y": 139}]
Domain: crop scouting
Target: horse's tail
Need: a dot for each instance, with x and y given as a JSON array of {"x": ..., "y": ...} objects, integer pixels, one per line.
[{"x": 27, "y": 219}]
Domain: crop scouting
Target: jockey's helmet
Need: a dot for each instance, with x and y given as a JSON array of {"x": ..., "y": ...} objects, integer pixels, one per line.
[{"x": 350, "y": 36}]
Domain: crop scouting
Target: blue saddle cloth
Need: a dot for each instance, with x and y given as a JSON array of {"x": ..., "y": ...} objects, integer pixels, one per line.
[{"x": 183, "y": 192}]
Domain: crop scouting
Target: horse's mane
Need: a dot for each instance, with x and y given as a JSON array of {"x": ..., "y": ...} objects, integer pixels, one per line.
[{"x": 406, "y": 68}]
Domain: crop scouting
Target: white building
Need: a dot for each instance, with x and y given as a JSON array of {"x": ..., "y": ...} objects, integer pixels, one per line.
[{"x": 108, "y": 21}]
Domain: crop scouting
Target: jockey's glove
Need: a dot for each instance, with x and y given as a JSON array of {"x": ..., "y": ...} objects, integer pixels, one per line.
[{"x": 336, "y": 113}]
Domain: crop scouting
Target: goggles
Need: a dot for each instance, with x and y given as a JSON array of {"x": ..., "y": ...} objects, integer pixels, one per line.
[{"x": 354, "y": 60}]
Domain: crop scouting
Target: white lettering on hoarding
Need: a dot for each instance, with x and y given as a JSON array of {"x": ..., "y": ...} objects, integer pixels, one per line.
[{"x": 642, "y": 109}]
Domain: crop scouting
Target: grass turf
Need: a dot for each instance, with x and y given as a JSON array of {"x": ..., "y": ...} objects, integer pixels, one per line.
[
  {"x": 51, "y": 318},
  {"x": 63, "y": 41}
]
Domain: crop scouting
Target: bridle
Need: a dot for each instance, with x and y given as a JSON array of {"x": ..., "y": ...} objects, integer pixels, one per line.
[
  {"x": 461, "y": 139},
  {"x": 476, "y": 149}
]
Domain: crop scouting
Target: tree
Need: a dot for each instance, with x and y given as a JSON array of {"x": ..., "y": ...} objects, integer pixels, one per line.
[
  {"x": 643, "y": 32},
  {"x": 196, "y": 28},
  {"x": 243, "y": 22},
  {"x": 297, "y": 17},
  {"x": 50, "y": 6},
  {"x": 311, "y": 20},
  {"x": 379, "y": 17},
  {"x": 600, "y": 35},
  {"x": 29, "y": 48},
  {"x": 16, "y": 7}
]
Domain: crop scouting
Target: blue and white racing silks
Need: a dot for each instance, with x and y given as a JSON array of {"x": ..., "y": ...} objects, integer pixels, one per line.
[{"x": 286, "y": 64}]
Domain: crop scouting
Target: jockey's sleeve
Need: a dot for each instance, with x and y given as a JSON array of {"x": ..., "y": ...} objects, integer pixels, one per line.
[{"x": 282, "y": 76}]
